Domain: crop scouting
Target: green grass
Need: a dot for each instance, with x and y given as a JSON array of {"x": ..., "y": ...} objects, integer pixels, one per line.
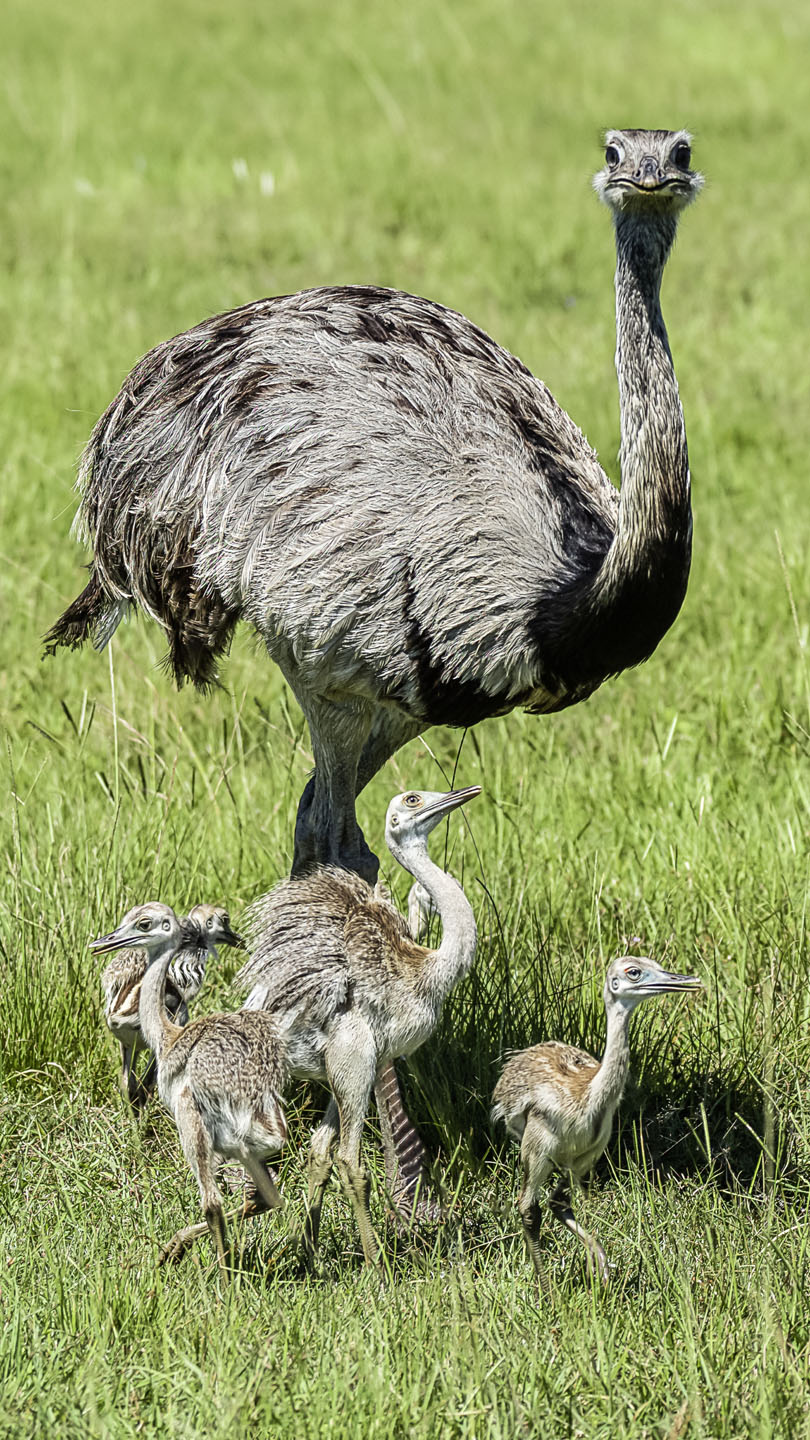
[{"x": 444, "y": 148}]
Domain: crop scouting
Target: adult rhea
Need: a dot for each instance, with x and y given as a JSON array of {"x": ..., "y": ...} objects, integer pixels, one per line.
[{"x": 417, "y": 530}]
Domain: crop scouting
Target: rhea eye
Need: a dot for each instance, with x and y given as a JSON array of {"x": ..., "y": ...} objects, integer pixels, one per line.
[
  {"x": 634, "y": 973},
  {"x": 144, "y": 925},
  {"x": 413, "y": 800},
  {"x": 681, "y": 156},
  {"x": 613, "y": 154}
]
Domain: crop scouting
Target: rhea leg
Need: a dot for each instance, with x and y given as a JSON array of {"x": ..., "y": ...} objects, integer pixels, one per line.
[
  {"x": 326, "y": 829},
  {"x": 350, "y": 1065},
  {"x": 199, "y": 1153},
  {"x": 536, "y": 1167},
  {"x": 319, "y": 1167},
  {"x": 335, "y": 732},
  {"x": 134, "y": 1087},
  {"x": 255, "y": 1203},
  {"x": 403, "y": 1151},
  {"x": 560, "y": 1207}
]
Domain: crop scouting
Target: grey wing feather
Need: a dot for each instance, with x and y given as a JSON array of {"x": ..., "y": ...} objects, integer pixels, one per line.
[
  {"x": 274, "y": 451},
  {"x": 298, "y": 920}
]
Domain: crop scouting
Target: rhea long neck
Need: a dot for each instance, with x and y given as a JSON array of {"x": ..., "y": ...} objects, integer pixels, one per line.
[
  {"x": 456, "y": 953},
  {"x": 607, "y": 1086},
  {"x": 654, "y": 509},
  {"x": 630, "y": 602},
  {"x": 156, "y": 1027}
]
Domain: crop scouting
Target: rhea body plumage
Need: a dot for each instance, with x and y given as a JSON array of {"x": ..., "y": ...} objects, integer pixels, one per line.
[
  {"x": 417, "y": 530},
  {"x": 334, "y": 963},
  {"x": 221, "y": 1077},
  {"x": 559, "y": 1102},
  {"x": 205, "y": 927}
]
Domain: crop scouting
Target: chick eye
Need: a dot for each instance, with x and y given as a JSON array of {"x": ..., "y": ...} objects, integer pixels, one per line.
[
  {"x": 210, "y": 922},
  {"x": 681, "y": 156},
  {"x": 613, "y": 154},
  {"x": 413, "y": 800}
]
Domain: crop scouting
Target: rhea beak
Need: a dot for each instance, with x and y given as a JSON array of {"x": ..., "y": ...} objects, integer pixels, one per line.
[
  {"x": 669, "y": 984},
  {"x": 451, "y": 801},
  {"x": 116, "y": 940}
]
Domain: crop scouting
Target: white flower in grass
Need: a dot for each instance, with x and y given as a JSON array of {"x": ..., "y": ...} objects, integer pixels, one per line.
[
  {"x": 240, "y": 168},
  {"x": 267, "y": 182}
]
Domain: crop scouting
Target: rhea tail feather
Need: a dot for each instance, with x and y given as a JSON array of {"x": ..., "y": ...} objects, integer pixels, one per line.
[{"x": 93, "y": 615}]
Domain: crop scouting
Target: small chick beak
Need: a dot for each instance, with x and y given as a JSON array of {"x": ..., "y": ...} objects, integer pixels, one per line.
[
  {"x": 231, "y": 938},
  {"x": 452, "y": 800},
  {"x": 114, "y": 941}
]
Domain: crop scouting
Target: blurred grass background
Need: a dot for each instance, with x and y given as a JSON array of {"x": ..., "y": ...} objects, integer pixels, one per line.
[{"x": 165, "y": 163}]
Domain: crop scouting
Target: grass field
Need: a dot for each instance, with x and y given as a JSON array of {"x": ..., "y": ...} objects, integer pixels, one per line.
[{"x": 164, "y": 163}]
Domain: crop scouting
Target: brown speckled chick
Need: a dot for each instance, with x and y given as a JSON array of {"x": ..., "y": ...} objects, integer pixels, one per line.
[
  {"x": 222, "y": 1077},
  {"x": 559, "y": 1102}
]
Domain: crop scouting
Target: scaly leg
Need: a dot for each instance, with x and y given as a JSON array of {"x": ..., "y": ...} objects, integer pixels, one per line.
[
  {"x": 404, "y": 1153},
  {"x": 128, "y": 1077},
  {"x": 319, "y": 1167},
  {"x": 560, "y": 1207},
  {"x": 199, "y": 1153},
  {"x": 390, "y": 730},
  {"x": 148, "y": 1080},
  {"x": 326, "y": 828},
  {"x": 349, "y": 749},
  {"x": 350, "y": 1066},
  {"x": 176, "y": 1248},
  {"x": 402, "y": 1146},
  {"x": 536, "y": 1167}
]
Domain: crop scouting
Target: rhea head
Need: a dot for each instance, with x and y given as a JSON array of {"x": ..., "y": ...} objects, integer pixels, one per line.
[
  {"x": 631, "y": 979},
  {"x": 215, "y": 923},
  {"x": 648, "y": 172},
  {"x": 152, "y": 927},
  {"x": 413, "y": 815}
]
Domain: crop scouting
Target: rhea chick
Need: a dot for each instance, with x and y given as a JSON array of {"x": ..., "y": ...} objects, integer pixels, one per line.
[
  {"x": 207, "y": 926},
  {"x": 335, "y": 963},
  {"x": 221, "y": 1077},
  {"x": 559, "y": 1102}
]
